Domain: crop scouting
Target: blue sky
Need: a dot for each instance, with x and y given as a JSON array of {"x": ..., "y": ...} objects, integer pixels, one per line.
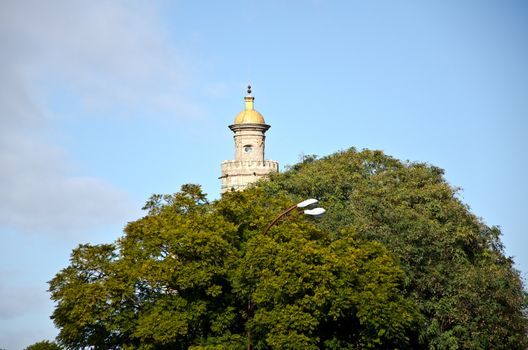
[{"x": 103, "y": 103}]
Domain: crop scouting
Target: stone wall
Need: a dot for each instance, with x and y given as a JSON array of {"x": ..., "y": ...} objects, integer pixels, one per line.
[{"x": 238, "y": 174}]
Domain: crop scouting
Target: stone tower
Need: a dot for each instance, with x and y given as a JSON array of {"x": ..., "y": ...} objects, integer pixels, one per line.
[{"x": 249, "y": 164}]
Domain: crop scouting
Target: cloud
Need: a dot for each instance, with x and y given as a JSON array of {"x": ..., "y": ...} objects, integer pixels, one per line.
[
  {"x": 39, "y": 196},
  {"x": 23, "y": 303},
  {"x": 108, "y": 56},
  {"x": 18, "y": 300},
  {"x": 106, "y": 52},
  {"x": 21, "y": 338}
]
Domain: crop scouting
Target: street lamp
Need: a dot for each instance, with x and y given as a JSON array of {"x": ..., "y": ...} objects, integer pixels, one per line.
[{"x": 315, "y": 212}]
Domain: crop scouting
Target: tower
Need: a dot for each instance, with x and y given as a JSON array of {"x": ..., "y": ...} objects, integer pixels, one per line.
[{"x": 249, "y": 130}]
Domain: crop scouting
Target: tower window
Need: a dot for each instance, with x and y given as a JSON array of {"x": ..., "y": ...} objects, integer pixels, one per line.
[{"x": 248, "y": 148}]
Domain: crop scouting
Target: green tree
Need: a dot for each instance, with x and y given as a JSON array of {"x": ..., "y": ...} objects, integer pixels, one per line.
[
  {"x": 200, "y": 275},
  {"x": 44, "y": 345},
  {"x": 307, "y": 290},
  {"x": 468, "y": 293}
]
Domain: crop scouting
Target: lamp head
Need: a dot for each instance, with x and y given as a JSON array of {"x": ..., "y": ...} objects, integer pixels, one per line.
[
  {"x": 316, "y": 212},
  {"x": 307, "y": 202}
]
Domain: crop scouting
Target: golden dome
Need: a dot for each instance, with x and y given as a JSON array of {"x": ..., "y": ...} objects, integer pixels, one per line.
[{"x": 249, "y": 115}]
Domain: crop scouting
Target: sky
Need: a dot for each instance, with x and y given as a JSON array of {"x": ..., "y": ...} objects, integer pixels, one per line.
[{"x": 104, "y": 103}]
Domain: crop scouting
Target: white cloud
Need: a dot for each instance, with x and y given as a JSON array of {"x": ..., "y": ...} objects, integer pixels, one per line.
[
  {"x": 106, "y": 54},
  {"x": 24, "y": 312},
  {"x": 108, "y": 57},
  {"x": 36, "y": 189},
  {"x": 21, "y": 338},
  {"x": 39, "y": 196},
  {"x": 16, "y": 301}
]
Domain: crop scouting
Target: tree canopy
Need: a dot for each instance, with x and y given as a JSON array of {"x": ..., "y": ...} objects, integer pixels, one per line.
[
  {"x": 192, "y": 274},
  {"x": 44, "y": 345},
  {"x": 467, "y": 290},
  {"x": 397, "y": 262}
]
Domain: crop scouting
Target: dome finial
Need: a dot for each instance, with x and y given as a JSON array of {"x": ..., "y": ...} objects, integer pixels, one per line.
[{"x": 249, "y": 99}]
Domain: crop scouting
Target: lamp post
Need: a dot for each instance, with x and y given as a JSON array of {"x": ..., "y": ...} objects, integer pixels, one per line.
[{"x": 315, "y": 212}]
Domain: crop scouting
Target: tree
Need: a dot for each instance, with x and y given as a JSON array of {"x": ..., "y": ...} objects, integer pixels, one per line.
[
  {"x": 200, "y": 275},
  {"x": 398, "y": 261},
  {"x": 467, "y": 290},
  {"x": 44, "y": 345}
]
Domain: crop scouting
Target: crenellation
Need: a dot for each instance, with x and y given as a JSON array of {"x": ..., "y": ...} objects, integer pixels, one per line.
[{"x": 250, "y": 164}]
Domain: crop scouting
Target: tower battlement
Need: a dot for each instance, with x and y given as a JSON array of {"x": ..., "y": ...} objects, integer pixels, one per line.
[
  {"x": 238, "y": 175},
  {"x": 237, "y": 164}
]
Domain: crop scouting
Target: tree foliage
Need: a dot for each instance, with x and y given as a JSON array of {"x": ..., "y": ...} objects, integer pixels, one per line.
[
  {"x": 397, "y": 262},
  {"x": 44, "y": 345},
  {"x": 200, "y": 275},
  {"x": 469, "y": 294}
]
